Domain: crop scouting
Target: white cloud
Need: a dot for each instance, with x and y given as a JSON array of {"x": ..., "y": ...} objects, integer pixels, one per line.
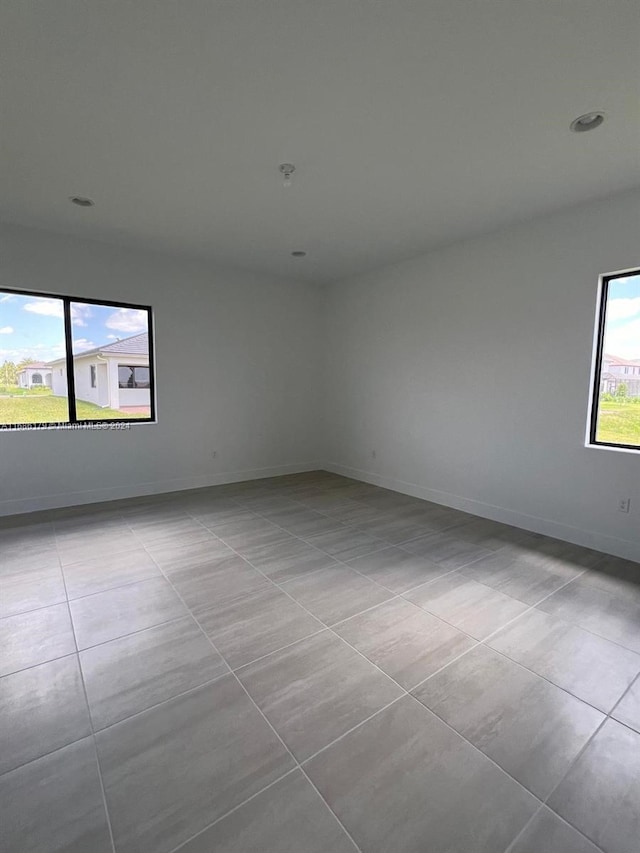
[
  {"x": 624, "y": 340},
  {"x": 82, "y": 344},
  {"x": 53, "y": 308},
  {"x": 46, "y": 307},
  {"x": 7, "y": 297},
  {"x": 38, "y": 352},
  {"x": 130, "y": 320},
  {"x": 6, "y": 330},
  {"x": 80, "y": 314},
  {"x": 113, "y": 337},
  {"x": 623, "y": 308}
]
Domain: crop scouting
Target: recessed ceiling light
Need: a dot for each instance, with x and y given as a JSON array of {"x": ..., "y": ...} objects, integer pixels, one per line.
[
  {"x": 81, "y": 201},
  {"x": 298, "y": 254},
  {"x": 589, "y": 121}
]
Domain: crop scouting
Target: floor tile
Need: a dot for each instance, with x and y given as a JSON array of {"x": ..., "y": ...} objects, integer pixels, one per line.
[
  {"x": 35, "y": 637},
  {"x": 304, "y": 522},
  {"x": 404, "y": 781},
  {"x": 601, "y": 792},
  {"x": 616, "y": 575},
  {"x": 335, "y": 593},
  {"x": 525, "y": 578},
  {"x": 21, "y": 552},
  {"x": 404, "y": 641},
  {"x": 117, "y": 612},
  {"x": 472, "y": 607},
  {"x": 446, "y": 550},
  {"x": 592, "y": 668},
  {"x": 396, "y": 526},
  {"x": 175, "y": 558},
  {"x": 346, "y": 543},
  {"x": 134, "y": 673},
  {"x": 41, "y": 709},
  {"x": 256, "y": 624},
  {"x": 610, "y": 615},
  {"x": 289, "y": 817},
  {"x": 528, "y": 726},
  {"x": 171, "y": 771},
  {"x": 54, "y": 805},
  {"x": 493, "y": 535},
  {"x": 108, "y": 571},
  {"x": 212, "y": 583},
  {"x": 288, "y": 559},
  {"x": 316, "y": 690},
  {"x": 23, "y": 589},
  {"x": 628, "y": 711},
  {"x": 547, "y": 833},
  {"x": 252, "y": 533},
  {"x": 221, "y": 512},
  {"x": 397, "y": 569},
  {"x": 76, "y": 547},
  {"x": 184, "y": 531}
]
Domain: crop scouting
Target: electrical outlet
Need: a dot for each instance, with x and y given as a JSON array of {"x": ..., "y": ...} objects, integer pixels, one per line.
[
  {"x": 373, "y": 454},
  {"x": 214, "y": 453},
  {"x": 624, "y": 504}
]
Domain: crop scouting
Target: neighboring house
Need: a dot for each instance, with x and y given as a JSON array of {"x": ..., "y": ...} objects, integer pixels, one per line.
[
  {"x": 114, "y": 376},
  {"x": 35, "y": 375},
  {"x": 618, "y": 371}
]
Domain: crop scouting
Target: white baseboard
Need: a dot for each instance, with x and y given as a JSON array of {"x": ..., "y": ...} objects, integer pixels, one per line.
[
  {"x": 136, "y": 490},
  {"x": 576, "y": 535}
]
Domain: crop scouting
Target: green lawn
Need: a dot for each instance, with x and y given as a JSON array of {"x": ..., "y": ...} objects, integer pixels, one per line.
[
  {"x": 48, "y": 409},
  {"x": 619, "y": 423}
]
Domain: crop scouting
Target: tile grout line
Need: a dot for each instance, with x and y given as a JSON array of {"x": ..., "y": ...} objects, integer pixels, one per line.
[
  {"x": 200, "y": 832},
  {"x": 257, "y": 707},
  {"x": 89, "y": 715},
  {"x": 480, "y": 642},
  {"x": 402, "y": 696},
  {"x": 615, "y": 707},
  {"x": 276, "y": 584}
]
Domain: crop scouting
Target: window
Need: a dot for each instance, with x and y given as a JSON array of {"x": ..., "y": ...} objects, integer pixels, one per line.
[
  {"x": 130, "y": 376},
  {"x": 62, "y": 361},
  {"x": 615, "y": 405}
]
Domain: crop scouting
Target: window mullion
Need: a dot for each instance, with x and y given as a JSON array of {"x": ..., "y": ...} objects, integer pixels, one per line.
[{"x": 71, "y": 382}]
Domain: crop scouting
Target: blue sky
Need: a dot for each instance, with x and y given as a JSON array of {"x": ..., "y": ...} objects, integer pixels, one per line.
[
  {"x": 622, "y": 333},
  {"x": 32, "y": 326}
]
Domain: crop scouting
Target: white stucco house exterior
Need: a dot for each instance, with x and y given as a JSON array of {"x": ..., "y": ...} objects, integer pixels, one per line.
[
  {"x": 35, "y": 375},
  {"x": 114, "y": 376}
]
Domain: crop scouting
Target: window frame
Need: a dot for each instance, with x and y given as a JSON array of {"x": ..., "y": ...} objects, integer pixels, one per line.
[
  {"x": 598, "y": 353},
  {"x": 73, "y": 420}
]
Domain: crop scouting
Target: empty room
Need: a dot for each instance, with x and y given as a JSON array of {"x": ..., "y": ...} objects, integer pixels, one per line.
[{"x": 320, "y": 426}]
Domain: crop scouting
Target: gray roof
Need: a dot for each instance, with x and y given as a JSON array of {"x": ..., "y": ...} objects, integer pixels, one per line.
[{"x": 135, "y": 345}]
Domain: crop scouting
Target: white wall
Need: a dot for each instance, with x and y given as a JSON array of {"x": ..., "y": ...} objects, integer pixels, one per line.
[
  {"x": 467, "y": 370},
  {"x": 251, "y": 346},
  {"x": 82, "y": 380}
]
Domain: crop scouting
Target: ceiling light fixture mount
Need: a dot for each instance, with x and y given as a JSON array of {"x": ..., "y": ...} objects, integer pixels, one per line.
[
  {"x": 286, "y": 170},
  {"x": 81, "y": 201},
  {"x": 588, "y": 121}
]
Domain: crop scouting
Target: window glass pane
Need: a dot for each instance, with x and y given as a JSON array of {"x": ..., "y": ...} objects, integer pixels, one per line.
[
  {"x": 143, "y": 379},
  {"x": 125, "y": 376},
  {"x": 32, "y": 355},
  {"x": 115, "y": 342},
  {"x": 618, "y": 420}
]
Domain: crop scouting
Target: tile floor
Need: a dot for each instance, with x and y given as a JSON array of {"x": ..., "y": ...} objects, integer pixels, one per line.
[{"x": 309, "y": 664}]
